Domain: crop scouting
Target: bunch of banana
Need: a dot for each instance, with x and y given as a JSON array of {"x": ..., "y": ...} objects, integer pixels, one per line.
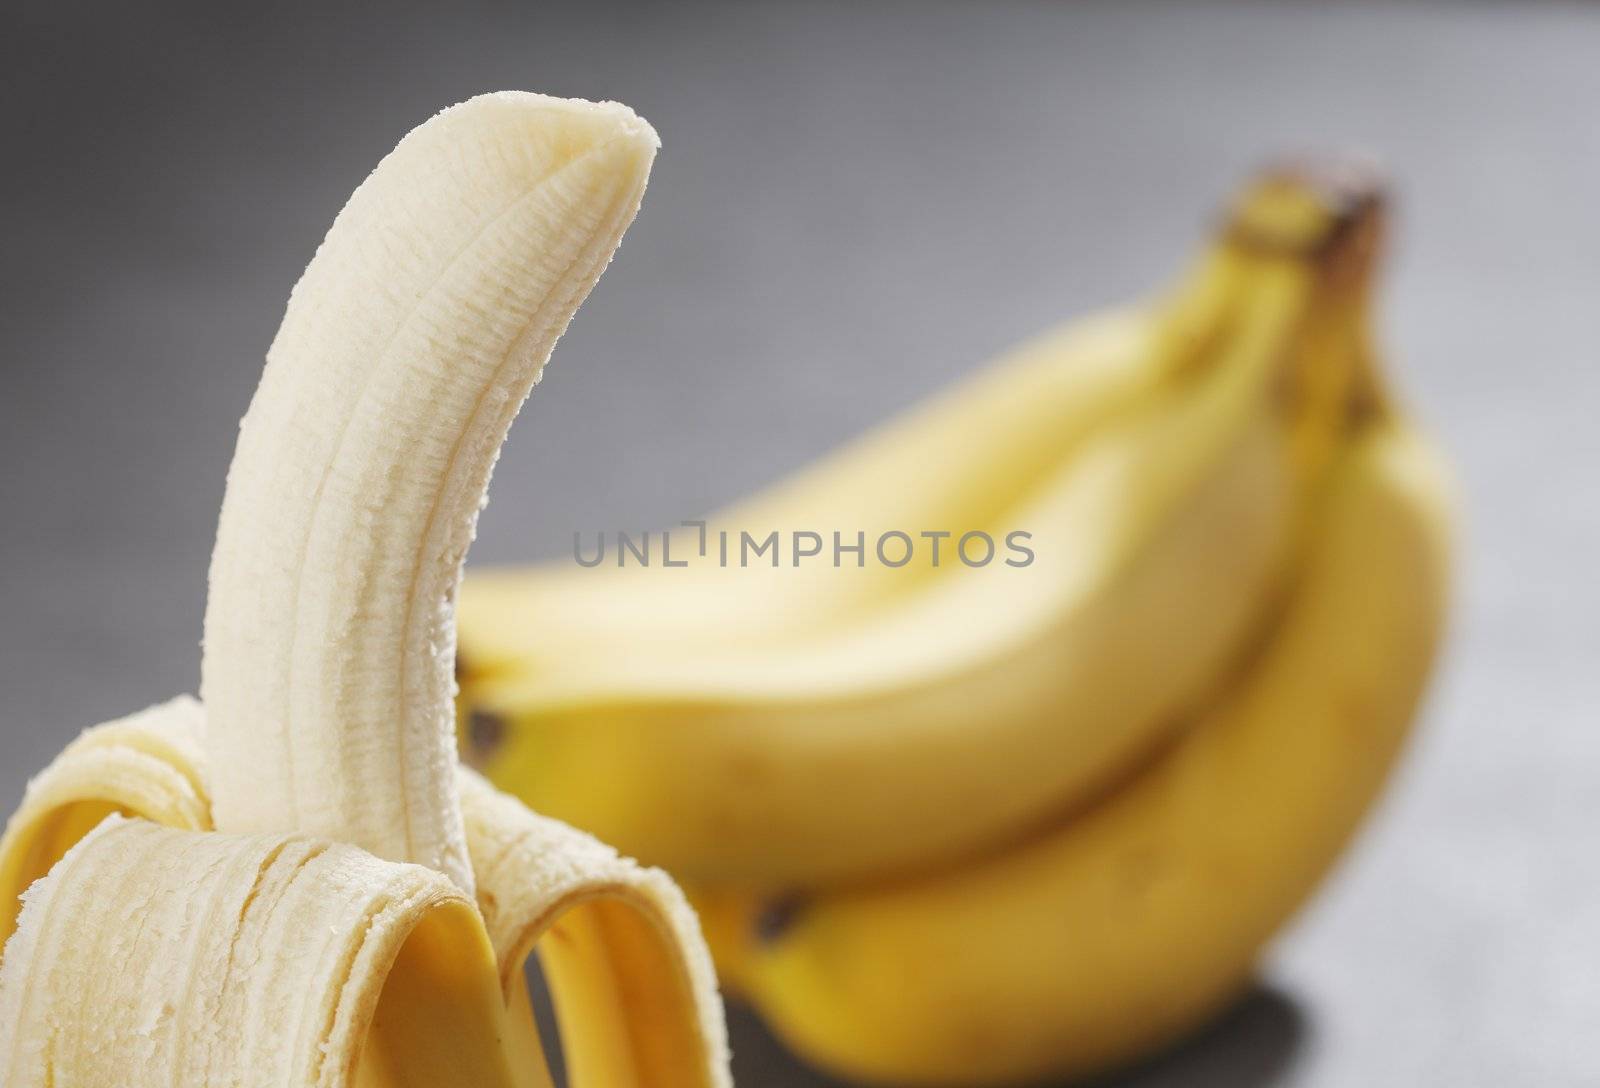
[
  {"x": 971, "y": 824},
  {"x": 296, "y": 884},
  {"x": 815, "y": 723}
]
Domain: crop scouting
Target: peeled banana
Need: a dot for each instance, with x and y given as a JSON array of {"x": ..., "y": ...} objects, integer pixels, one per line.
[
  {"x": 811, "y": 724},
  {"x": 296, "y": 884}
]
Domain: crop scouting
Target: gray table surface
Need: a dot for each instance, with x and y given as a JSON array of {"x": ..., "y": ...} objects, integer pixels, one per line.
[{"x": 855, "y": 205}]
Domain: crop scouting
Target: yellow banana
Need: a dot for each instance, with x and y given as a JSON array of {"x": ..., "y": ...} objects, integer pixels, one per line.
[
  {"x": 298, "y": 885},
  {"x": 809, "y": 724},
  {"x": 1120, "y": 929},
  {"x": 960, "y": 461}
]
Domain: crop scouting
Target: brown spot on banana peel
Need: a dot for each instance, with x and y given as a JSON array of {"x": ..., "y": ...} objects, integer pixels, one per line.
[
  {"x": 486, "y": 732},
  {"x": 777, "y": 916}
]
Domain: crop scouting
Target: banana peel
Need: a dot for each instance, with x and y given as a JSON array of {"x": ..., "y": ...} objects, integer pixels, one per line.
[{"x": 158, "y": 928}]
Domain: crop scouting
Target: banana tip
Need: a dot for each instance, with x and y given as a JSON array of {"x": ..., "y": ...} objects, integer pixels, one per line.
[
  {"x": 608, "y": 120},
  {"x": 1309, "y": 204}
]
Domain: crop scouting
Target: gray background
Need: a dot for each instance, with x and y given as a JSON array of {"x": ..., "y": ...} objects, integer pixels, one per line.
[{"x": 855, "y": 205}]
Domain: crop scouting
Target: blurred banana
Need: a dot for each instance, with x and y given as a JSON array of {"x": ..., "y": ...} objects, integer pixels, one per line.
[
  {"x": 296, "y": 885},
  {"x": 814, "y": 723},
  {"x": 955, "y": 825},
  {"x": 1108, "y": 934}
]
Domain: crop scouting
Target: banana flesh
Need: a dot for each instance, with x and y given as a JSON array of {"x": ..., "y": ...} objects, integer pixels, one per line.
[
  {"x": 407, "y": 348},
  {"x": 1111, "y": 933},
  {"x": 811, "y": 726},
  {"x": 296, "y": 884}
]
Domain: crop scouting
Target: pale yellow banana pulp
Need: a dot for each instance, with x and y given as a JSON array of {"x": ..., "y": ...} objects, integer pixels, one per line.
[{"x": 296, "y": 885}]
